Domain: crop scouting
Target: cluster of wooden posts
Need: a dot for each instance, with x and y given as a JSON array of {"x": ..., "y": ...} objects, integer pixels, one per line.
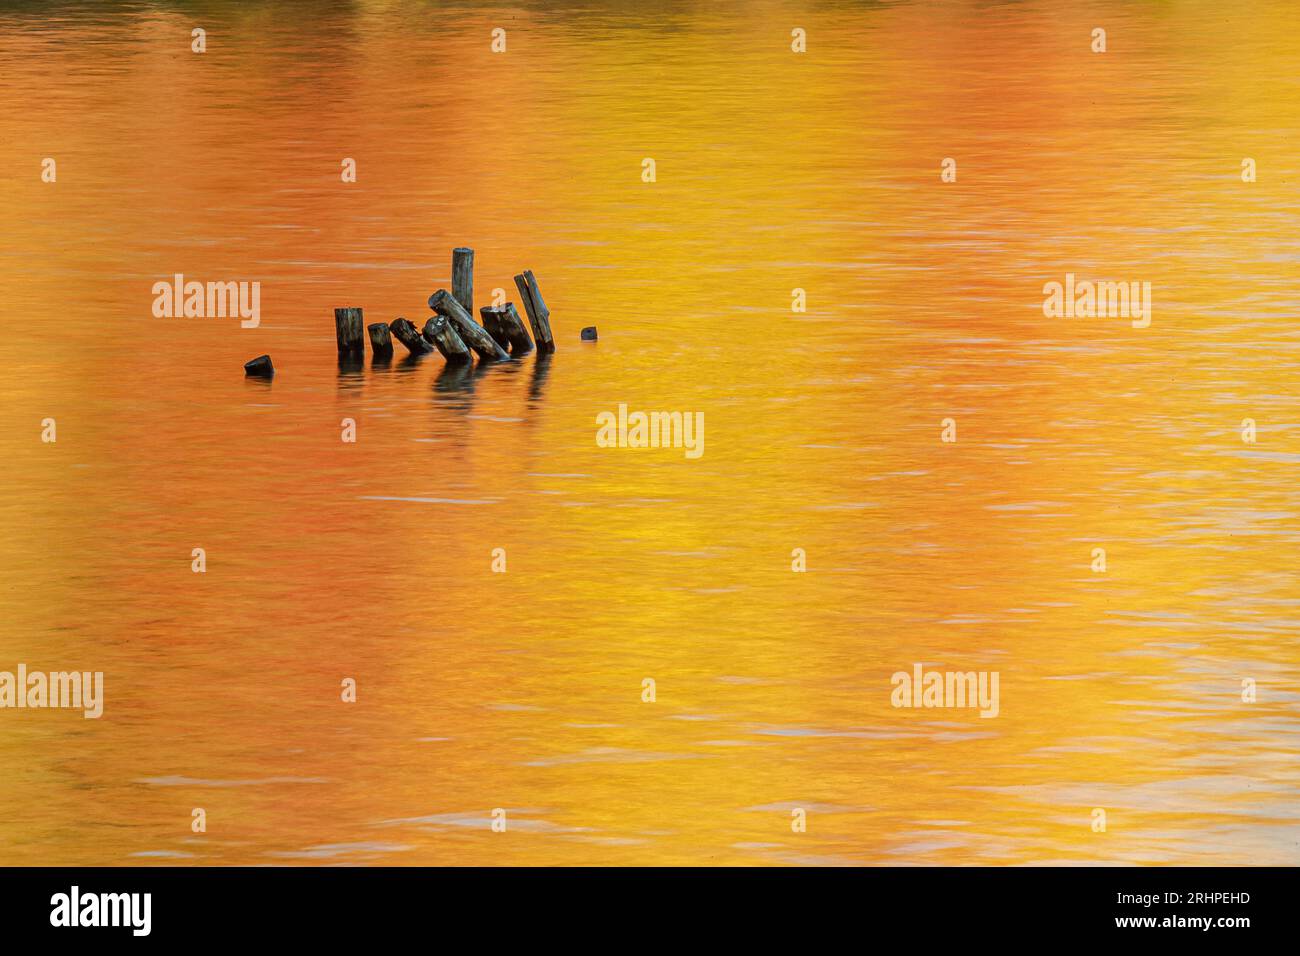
[{"x": 452, "y": 329}]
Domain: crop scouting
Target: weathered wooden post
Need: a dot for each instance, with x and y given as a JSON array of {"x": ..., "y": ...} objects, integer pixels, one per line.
[
  {"x": 381, "y": 343},
  {"x": 453, "y": 348},
  {"x": 259, "y": 367},
  {"x": 350, "y": 332},
  {"x": 505, "y": 325},
  {"x": 516, "y": 331},
  {"x": 539, "y": 317},
  {"x": 489, "y": 314},
  {"x": 405, "y": 332},
  {"x": 462, "y": 277},
  {"x": 474, "y": 335}
]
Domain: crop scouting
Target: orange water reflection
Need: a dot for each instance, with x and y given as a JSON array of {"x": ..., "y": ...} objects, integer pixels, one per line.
[{"x": 523, "y": 691}]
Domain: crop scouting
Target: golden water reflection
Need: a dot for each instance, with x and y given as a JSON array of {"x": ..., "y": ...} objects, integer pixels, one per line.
[{"x": 523, "y": 690}]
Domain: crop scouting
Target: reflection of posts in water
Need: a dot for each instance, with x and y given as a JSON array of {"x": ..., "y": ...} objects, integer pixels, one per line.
[
  {"x": 259, "y": 381},
  {"x": 457, "y": 377},
  {"x": 410, "y": 363},
  {"x": 541, "y": 368},
  {"x": 351, "y": 363}
]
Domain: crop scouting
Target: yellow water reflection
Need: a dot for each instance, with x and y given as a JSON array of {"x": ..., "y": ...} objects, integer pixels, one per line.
[{"x": 523, "y": 691}]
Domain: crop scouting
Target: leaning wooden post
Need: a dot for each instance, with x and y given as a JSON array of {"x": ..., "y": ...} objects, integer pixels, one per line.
[
  {"x": 439, "y": 331},
  {"x": 405, "y": 332},
  {"x": 350, "y": 331},
  {"x": 489, "y": 314},
  {"x": 539, "y": 317},
  {"x": 507, "y": 327},
  {"x": 462, "y": 277},
  {"x": 516, "y": 331},
  {"x": 475, "y": 336},
  {"x": 381, "y": 343}
]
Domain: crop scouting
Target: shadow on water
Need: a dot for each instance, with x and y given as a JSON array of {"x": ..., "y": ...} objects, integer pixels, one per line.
[{"x": 506, "y": 367}]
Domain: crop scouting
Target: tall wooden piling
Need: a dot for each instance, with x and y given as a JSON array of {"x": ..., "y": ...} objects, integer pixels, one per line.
[
  {"x": 350, "y": 331},
  {"x": 539, "y": 317},
  {"x": 405, "y": 332},
  {"x": 462, "y": 277},
  {"x": 453, "y": 348},
  {"x": 381, "y": 343},
  {"x": 474, "y": 335}
]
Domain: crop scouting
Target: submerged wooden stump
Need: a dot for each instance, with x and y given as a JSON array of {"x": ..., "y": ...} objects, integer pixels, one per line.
[
  {"x": 381, "y": 343},
  {"x": 462, "y": 277},
  {"x": 350, "y": 331},
  {"x": 507, "y": 327},
  {"x": 453, "y": 348},
  {"x": 405, "y": 332},
  {"x": 259, "y": 367},
  {"x": 539, "y": 317},
  {"x": 474, "y": 335}
]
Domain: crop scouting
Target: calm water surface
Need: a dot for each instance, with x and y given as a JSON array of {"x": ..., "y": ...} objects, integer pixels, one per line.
[{"x": 522, "y": 690}]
